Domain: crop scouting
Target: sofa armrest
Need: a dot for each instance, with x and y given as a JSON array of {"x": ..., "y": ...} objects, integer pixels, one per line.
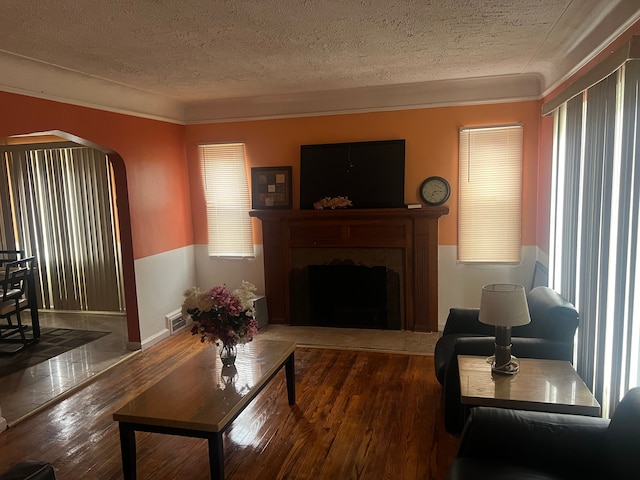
[
  {"x": 522, "y": 347},
  {"x": 545, "y": 441},
  {"x": 552, "y": 316},
  {"x": 447, "y": 347},
  {"x": 454, "y": 412},
  {"x": 542, "y": 348},
  {"x": 465, "y": 320}
]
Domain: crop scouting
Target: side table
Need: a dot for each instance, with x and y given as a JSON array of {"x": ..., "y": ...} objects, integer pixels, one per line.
[{"x": 541, "y": 385}]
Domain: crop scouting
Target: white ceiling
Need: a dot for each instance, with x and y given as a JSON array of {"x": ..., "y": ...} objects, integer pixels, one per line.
[{"x": 205, "y": 60}]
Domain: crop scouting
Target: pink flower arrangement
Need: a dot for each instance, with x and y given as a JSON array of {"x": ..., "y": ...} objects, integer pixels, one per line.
[{"x": 222, "y": 316}]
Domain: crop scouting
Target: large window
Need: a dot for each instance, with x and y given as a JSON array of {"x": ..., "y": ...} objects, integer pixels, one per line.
[
  {"x": 490, "y": 194},
  {"x": 224, "y": 177},
  {"x": 595, "y": 228}
]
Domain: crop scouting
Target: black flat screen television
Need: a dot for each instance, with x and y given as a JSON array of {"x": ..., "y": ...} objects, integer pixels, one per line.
[{"x": 371, "y": 174}]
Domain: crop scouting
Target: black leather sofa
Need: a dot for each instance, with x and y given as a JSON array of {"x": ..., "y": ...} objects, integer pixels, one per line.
[
  {"x": 550, "y": 335},
  {"x": 29, "y": 470},
  {"x": 501, "y": 444}
]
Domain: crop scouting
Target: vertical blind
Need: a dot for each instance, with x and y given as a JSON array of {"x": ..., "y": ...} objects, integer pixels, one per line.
[
  {"x": 7, "y": 237},
  {"x": 63, "y": 212},
  {"x": 594, "y": 235},
  {"x": 490, "y": 194},
  {"x": 226, "y": 190},
  {"x": 567, "y": 171}
]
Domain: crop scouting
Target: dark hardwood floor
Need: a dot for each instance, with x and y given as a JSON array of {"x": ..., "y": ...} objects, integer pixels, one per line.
[{"x": 358, "y": 415}]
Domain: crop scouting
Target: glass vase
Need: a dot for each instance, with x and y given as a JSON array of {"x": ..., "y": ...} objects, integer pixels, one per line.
[{"x": 227, "y": 354}]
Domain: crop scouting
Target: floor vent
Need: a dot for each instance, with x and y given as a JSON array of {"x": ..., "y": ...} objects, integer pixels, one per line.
[{"x": 175, "y": 321}]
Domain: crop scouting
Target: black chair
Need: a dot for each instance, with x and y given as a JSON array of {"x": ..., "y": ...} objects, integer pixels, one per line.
[
  {"x": 500, "y": 444},
  {"x": 13, "y": 300},
  {"x": 550, "y": 335},
  {"x": 10, "y": 256}
]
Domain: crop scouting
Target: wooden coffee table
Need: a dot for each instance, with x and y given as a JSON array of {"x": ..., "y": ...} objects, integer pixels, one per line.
[
  {"x": 200, "y": 399},
  {"x": 541, "y": 385}
]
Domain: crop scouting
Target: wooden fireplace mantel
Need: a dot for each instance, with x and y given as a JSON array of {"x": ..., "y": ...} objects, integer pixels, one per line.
[{"x": 414, "y": 231}]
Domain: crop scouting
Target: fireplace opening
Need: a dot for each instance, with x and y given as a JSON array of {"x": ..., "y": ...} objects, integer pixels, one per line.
[
  {"x": 348, "y": 296},
  {"x": 343, "y": 294}
]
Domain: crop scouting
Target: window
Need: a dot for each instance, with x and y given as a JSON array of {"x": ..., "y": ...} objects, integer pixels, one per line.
[
  {"x": 490, "y": 194},
  {"x": 224, "y": 177}
]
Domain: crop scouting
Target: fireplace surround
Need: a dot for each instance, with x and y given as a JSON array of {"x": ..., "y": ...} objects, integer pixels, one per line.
[{"x": 411, "y": 234}]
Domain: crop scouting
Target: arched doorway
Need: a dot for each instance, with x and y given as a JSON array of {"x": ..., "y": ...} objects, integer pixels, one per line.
[{"x": 123, "y": 222}]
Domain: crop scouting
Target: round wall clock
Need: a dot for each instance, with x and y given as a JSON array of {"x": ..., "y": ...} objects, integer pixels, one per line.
[{"x": 435, "y": 191}]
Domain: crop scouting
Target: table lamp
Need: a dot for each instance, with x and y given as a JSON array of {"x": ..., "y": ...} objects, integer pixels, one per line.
[{"x": 504, "y": 305}]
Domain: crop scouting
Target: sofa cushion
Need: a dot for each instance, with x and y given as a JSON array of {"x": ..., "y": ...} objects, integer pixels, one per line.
[
  {"x": 29, "y": 470},
  {"x": 622, "y": 440},
  {"x": 493, "y": 469}
]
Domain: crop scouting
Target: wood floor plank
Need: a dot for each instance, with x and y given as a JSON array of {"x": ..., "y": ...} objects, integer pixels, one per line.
[{"x": 358, "y": 415}]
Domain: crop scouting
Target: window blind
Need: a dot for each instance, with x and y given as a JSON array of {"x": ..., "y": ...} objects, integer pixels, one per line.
[
  {"x": 62, "y": 205},
  {"x": 490, "y": 194},
  {"x": 226, "y": 191},
  {"x": 594, "y": 237}
]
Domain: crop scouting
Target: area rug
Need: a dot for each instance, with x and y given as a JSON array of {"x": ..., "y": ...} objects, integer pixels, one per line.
[{"x": 53, "y": 342}]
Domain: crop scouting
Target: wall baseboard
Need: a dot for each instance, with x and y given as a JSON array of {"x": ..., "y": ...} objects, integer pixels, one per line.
[{"x": 156, "y": 338}]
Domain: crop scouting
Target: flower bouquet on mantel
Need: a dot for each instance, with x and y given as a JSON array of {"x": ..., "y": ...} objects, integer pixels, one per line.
[
  {"x": 222, "y": 317},
  {"x": 332, "y": 203}
]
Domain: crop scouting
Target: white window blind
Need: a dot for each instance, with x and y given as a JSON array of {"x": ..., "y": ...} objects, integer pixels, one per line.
[
  {"x": 224, "y": 177},
  {"x": 490, "y": 194}
]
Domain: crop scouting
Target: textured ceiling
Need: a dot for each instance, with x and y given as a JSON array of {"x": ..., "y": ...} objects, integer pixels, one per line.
[{"x": 191, "y": 51}]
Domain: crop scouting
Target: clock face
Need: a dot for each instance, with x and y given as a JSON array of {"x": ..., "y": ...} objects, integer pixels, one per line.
[{"x": 435, "y": 190}]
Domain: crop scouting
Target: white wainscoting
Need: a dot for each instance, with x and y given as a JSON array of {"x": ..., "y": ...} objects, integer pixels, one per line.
[
  {"x": 160, "y": 281},
  {"x": 211, "y": 271},
  {"x": 460, "y": 285}
]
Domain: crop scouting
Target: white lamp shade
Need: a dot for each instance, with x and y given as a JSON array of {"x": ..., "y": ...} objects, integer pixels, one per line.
[{"x": 504, "y": 305}]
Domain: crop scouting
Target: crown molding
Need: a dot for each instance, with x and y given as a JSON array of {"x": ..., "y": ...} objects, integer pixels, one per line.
[
  {"x": 596, "y": 42},
  {"x": 24, "y": 76},
  {"x": 473, "y": 91},
  {"x": 36, "y": 79},
  {"x": 628, "y": 51}
]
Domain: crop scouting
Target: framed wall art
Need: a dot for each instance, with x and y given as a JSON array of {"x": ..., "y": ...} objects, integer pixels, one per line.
[{"x": 271, "y": 187}]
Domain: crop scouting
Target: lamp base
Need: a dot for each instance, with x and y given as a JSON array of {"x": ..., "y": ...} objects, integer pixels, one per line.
[
  {"x": 509, "y": 368},
  {"x": 503, "y": 362}
]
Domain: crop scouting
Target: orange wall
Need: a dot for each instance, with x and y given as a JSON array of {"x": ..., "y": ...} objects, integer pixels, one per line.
[
  {"x": 431, "y": 149},
  {"x": 153, "y": 154}
]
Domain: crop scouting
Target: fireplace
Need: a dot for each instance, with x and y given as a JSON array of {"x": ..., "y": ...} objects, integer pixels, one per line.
[
  {"x": 342, "y": 293},
  {"x": 405, "y": 240}
]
